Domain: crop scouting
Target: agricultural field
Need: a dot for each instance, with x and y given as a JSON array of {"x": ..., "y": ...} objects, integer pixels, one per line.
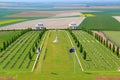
[
  {"x": 87, "y": 15},
  {"x": 11, "y": 21},
  {"x": 117, "y": 18},
  {"x": 102, "y": 20},
  {"x": 7, "y": 35},
  {"x": 37, "y": 13},
  {"x": 52, "y": 23},
  {"x": 100, "y": 23},
  {"x": 6, "y": 20},
  {"x": 46, "y": 14},
  {"x": 113, "y": 36}
]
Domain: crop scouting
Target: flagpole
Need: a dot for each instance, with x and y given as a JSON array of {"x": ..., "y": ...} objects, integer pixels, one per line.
[
  {"x": 74, "y": 64},
  {"x": 72, "y": 50}
]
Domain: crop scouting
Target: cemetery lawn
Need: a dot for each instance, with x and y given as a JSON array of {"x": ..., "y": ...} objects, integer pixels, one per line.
[
  {"x": 55, "y": 61},
  {"x": 7, "y": 35}
]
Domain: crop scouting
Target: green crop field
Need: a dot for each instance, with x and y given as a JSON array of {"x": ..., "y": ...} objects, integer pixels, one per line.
[
  {"x": 113, "y": 36},
  {"x": 55, "y": 61},
  {"x": 6, "y": 12},
  {"x": 100, "y": 23},
  {"x": 102, "y": 20}
]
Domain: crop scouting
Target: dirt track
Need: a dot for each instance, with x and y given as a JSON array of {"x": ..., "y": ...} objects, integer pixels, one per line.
[
  {"x": 105, "y": 38},
  {"x": 60, "y": 23},
  {"x": 117, "y": 18}
]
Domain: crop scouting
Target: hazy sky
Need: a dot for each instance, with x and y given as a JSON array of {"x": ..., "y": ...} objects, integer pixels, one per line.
[{"x": 56, "y": 0}]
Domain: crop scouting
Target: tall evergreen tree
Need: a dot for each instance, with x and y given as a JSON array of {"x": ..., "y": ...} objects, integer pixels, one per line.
[
  {"x": 104, "y": 42},
  {"x": 117, "y": 52},
  {"x": 110, "y": 46},
  {"x": 85, "y": 55},
  {"x": 36, "y": 45},
  {"x": 107, "y": 43},
  {"x": 76, "y": 40},
  {"x": 33, "y": 49},
  {"x": 7, "y": 43},
  {"x": 113, "y": 48},
  {"x": 30, "y": 57},
  {"x": 4, "y": 46},
  {"x": 81, "y": 49},
  {"x": 78, "y": 44}
]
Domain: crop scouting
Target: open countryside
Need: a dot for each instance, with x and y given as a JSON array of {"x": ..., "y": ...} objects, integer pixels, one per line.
[
  {"x": 58, "y": 41},
  {"x": 11, "y": 21}
]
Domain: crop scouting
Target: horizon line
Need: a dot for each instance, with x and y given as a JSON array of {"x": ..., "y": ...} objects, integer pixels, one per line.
[{"x": 60, "y": 1}]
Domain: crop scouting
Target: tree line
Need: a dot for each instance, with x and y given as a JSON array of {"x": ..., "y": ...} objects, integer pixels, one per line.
[
  {"x": 104, "y": 42},
  {"x": 79, "y": 45},
  {"x": 14, "y": 38},
  {"x": 112, "y": 47},
  {"x": 36, "y": 43}
]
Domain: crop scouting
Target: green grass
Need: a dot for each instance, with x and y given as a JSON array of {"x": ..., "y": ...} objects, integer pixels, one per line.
[
  {"x": 6, "y": 36},
  {"x": 83, "y": 76},
  {"x": 57, "y": 62},
  {"x": 113, "y": 36},
  {"x": 102, "y": 20},
  {"x": 100, "y": 23},
  {"x": 98, "y": 56},
  {"x": 16, "y": 56}
]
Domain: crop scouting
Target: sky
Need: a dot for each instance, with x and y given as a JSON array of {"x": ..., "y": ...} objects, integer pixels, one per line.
[{"x": 57, "y": 0}]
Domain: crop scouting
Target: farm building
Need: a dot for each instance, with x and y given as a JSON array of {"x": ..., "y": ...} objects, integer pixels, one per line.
[
  {"x": 73, "y": 26},
  {"x": 39, "y": 26}
]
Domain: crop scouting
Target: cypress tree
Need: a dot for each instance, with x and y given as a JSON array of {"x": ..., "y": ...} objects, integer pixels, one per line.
[
  {"x": 81, "y": 49},
  {"x": 110, "y": 46},
  {"x": 104, "y": 42},
  {"x": 117, "y": 52},
  {"x": 30, "y": 57},
  {"x": 85, "y": 55},
  {"x": 113, "y": 48},
  {"x": 107, "y": 43},
  {"x": 33, "y": 49},
  {"x": 78, "y": 44},
  {"x": 4, "y": 46},
  {"x": 36, "y": 44},
  {"x": 95, "y": 35},
  {"x": 7, "y": 44},
  {"x": 1, "y": 49},
  {"x": 39, "y": 36},
  {"x": 101, "y": 39},
  {"x": 76, "y": 40}
]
